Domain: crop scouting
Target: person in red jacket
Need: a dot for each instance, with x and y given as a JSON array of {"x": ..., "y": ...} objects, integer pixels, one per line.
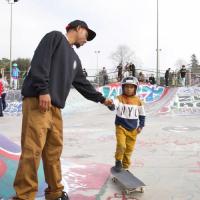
[{"x": 1, "y": 90}]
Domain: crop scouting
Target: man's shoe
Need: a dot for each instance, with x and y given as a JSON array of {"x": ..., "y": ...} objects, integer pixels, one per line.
[{"x": 63, "y": 197}]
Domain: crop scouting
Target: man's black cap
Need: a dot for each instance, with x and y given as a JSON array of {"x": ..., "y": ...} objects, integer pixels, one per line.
[{"x": 76, "y": 23}]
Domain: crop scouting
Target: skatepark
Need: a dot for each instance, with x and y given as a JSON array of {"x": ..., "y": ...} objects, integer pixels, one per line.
[{"x": 166, "y": 157}]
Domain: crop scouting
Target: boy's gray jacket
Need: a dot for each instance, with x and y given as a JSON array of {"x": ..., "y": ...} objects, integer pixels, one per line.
[{"x": 54, "y": 68}]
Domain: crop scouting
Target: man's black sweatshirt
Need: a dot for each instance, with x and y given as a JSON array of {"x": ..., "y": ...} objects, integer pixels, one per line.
[{"x": 55, "y": 66}]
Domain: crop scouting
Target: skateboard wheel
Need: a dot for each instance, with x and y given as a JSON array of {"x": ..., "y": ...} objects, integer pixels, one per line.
[
  {"x": 114, "y": 179},
  {"x": 142, "y": 190}
]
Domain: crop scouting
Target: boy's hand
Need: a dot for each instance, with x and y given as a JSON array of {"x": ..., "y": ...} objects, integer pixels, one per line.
[
  {"x": 139, "y": 129},
  {"x": 108, "y": 102},
  {"x": 44, "y": 102}
]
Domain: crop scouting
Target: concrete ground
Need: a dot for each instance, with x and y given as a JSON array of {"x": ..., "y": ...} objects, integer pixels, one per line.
[{"x": 166, "y": 157}]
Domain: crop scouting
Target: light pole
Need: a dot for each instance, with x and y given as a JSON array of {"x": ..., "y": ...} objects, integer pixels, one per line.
[
  {"x": 97, "y": 57},
  {"x": 11, "y": 2},
  {"x": 157, "y": 49}
]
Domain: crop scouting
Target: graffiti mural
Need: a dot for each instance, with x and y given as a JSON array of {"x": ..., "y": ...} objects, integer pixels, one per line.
[
  {"x": 111, "y": 90},
  {"x": 9, "y": 157},
  {"x": 77, "y": 178},
  {"x": 186, "y": 101},
  {"x": 14, "y": 102},
  {"x": 13, "y": 108},
  {"x": 13, "y": 95},
  {"x": 151, "y": 93},
  {"x": 148, "y": 93}
]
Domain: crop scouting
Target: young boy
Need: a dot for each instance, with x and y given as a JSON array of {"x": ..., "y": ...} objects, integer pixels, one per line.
[{"x": 129, "y": 121}]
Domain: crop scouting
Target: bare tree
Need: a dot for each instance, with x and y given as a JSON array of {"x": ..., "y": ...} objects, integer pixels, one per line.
[
  {"x": 123, "y": 54},
  {"x": 179, "y": 63}
]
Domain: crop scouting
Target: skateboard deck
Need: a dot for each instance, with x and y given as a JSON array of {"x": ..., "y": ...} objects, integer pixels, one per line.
[{"x": 129, "y": 182}]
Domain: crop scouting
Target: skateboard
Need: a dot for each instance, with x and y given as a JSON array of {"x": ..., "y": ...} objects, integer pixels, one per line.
[{"x": 128, "y": 181}]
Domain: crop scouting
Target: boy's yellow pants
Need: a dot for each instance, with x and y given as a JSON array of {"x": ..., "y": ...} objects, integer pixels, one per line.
[
  {"x": 42, "y": 137},
  {"x": 125, "y": 145}
]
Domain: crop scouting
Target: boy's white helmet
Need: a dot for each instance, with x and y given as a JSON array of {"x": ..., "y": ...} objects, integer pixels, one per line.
[{"x": 130, "y": 80}]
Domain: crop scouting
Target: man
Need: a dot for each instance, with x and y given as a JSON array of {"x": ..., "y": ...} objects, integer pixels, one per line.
[
  {"x": 152, "y": 80},
  {"x": 54, "y": 68},
  {"x": 183, "y": 74},
  {"x": 126, "y": 70},
  {"x": 141, "y": 77},
  {"x": 119, "y": 69},
  {"x": 85, "y": 72},
  {"x": 105, "y": 76},
  {"x": 15, "y": 76},
  {"x": 132, "y": 69},
  {"x": 167, "y": 77}
]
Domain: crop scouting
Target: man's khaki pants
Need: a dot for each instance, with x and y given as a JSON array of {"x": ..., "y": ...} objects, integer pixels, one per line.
[
  {"x": 125, "y": 145},
  {"x": 42, "y": 136}
]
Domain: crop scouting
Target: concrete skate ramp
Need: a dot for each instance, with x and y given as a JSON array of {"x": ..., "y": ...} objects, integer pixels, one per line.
[
  {"x": 178, "y": 101},
  {"x": 158, "y": 99},
  {"x": 75, "y": 176},
  {"x": 186, "y": 101},
  {"x": 162, "y": 100},
  {"x": 148, "y": 93},
  {"x": 166, "y": 154},
  {"x": 9, "y": 158}
]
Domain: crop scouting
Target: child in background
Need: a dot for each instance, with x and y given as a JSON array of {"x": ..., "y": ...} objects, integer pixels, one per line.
[{"x": 129, "y": 121}]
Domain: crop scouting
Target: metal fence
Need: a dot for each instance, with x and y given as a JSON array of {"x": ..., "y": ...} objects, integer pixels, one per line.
[{"x": 98, "y": 79}]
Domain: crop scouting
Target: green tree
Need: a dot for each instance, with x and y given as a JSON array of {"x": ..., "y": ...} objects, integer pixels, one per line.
[
  {"x": 23, "y": 63},
  {"x": 5, "y": 63}
]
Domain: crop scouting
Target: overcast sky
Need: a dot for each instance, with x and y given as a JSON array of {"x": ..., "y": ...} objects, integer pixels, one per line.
[{"x": 116, "y": 22}]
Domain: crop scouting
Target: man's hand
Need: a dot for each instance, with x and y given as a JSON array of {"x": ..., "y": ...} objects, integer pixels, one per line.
[
  {"x": 44, "y": 102},
  {"x": 139, "y": 129},
  {"x": 108, "y": 102}
]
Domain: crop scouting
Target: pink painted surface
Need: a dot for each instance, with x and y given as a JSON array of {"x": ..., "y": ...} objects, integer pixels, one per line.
[
  {"x": 90, "y": 177},
  {"x": 3, "y": 168}
]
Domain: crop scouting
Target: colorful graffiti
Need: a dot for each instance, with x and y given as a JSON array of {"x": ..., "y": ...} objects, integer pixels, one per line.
[
  {"x": 13, "y": 95},
  {"x": 9, "y": 157},
  {"x": 186, "y": 101},
  {"x": 147, "y": 92},
  {"x": 151, "y": 93},
  {"x": 13, "y": 108},
  {"x": 14, "y": 102},
  {"x": 77, "y": 178}
]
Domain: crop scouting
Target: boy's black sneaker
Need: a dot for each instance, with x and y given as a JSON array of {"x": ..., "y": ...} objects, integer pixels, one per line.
[
  {"x": 118, "y": 166},
  {"x": 63, "y": 197}
]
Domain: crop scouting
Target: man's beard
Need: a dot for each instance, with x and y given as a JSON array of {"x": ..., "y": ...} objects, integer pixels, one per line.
[{"x": 77, "y": 45}]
